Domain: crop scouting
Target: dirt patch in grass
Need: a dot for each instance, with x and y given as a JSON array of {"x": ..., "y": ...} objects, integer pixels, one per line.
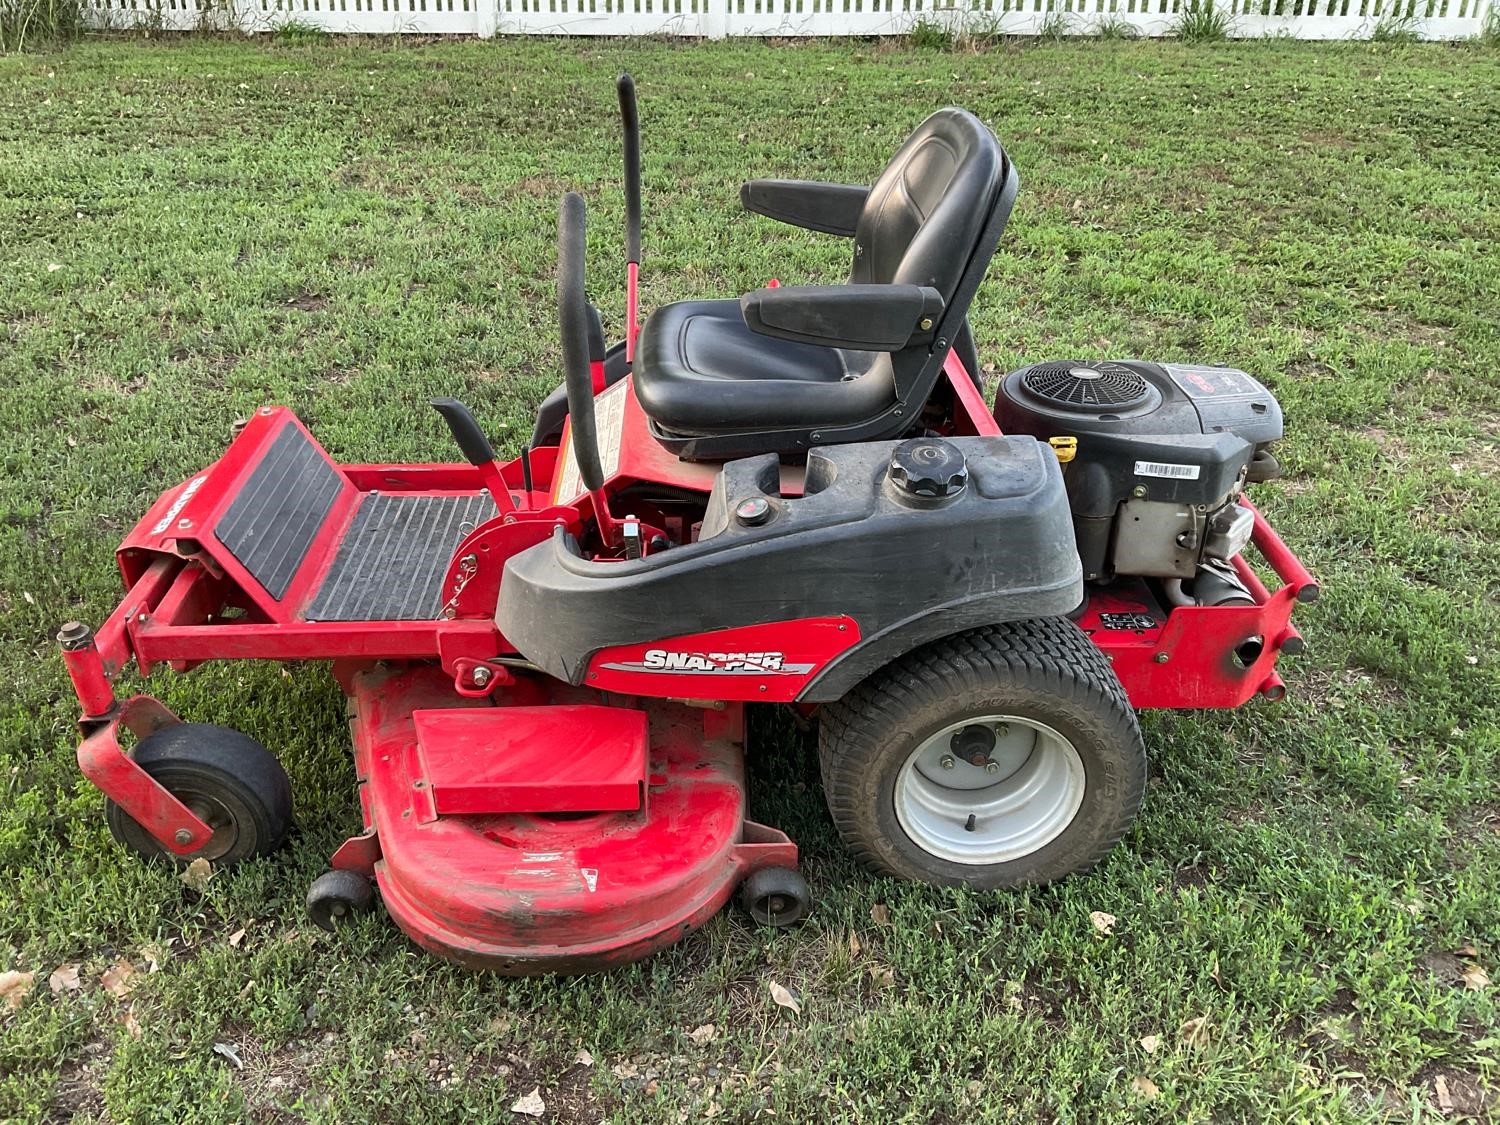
[
  {"x": 1394, "y": 446},
  {"x": 308, "y": 302},
  {"x": 1326, "y": 139},
  {"x": 544, "y": 186},
  {"x": 79, "y": 1092},
  {"x": 1196, "y": 876},
  {"x": 1459, "y": 1093}
]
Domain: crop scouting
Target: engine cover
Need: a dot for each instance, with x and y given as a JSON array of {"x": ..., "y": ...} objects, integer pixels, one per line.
[{"x": 1163, "y": 450}]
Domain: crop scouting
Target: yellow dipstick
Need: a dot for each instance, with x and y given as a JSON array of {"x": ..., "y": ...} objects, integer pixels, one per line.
[{"x": 1066, "y": 448}]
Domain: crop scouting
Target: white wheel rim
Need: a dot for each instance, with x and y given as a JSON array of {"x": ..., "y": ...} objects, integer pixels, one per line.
[{"x": 1020, "y": 799}]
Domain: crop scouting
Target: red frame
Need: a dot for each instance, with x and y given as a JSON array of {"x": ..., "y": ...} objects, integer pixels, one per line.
[{"x": 181, "y": 582}]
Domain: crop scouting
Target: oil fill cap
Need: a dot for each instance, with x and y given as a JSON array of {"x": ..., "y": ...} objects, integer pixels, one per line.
[{"x": 928, "y": 467}]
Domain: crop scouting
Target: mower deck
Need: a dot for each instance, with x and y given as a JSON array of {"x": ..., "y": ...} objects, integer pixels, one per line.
[{"x": 531, "y": 892}]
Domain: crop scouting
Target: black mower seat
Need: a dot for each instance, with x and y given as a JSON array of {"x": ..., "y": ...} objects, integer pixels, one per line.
[
  {"x": 783, "y": 369},
  {"x": 698, "y": 353}
]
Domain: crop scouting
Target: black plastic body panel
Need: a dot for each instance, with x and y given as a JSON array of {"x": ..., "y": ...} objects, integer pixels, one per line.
[{"x": 906, "y": 570}]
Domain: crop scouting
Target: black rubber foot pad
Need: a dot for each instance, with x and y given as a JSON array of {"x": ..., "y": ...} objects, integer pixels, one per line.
[
  {"x": 277, "y": 514},
  {"x": 391, "y": 563}
]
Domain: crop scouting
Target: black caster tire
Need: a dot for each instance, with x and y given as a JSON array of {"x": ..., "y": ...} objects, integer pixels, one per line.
[
  {"x": 776, "y": 896},
  {"x": 335, "y": 897},
  {"x": 229, "y": 780},
  {"x": 1006, "y": 756}
]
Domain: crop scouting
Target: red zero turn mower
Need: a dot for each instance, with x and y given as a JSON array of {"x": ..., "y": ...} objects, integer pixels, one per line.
[{"x": 796, "y": 497}]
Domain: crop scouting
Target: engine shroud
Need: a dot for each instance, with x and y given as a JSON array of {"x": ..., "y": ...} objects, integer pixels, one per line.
[{"x": 1162, "y": 448}]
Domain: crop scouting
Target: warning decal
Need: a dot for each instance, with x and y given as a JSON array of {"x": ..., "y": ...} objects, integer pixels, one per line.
[{"x": 609, "y": 423}]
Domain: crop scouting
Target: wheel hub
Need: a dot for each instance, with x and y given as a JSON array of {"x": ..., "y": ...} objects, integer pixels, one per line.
[
  {"x": 990, "y": 789},
  {"x": 974, "y": 742},
  {"x": 219, "y": 820}
]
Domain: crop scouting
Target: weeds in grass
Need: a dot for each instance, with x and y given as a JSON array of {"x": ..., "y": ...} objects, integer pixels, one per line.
[
  {"x": 1054, "y": 27},
  {"x": 926, "y": 35},
  {"x": 25, "y": 23},
  {"x": 297, "y": 33},
  {"x": 1489, "y": 35},
  {"x": 1115, "y": 28},
  {"x": 1202, "y": 21},
  {"x": 1396, "y": 29},
  {"x": 979, "y": 32}
]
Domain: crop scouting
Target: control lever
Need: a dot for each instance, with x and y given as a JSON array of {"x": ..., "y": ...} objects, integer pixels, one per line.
[{"x": 476, "y": 449}]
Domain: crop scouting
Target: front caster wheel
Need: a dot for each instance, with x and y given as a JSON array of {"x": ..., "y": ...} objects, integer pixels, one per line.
[
  {"x": 337, "y": 896},
  {"x": 1002, "y": 757},
  {"x": 776, "y": 896},
  {"x": 230, "y": 782}
]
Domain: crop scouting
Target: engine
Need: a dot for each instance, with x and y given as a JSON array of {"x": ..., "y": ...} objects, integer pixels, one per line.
[{"x": 1162, "y": 453}]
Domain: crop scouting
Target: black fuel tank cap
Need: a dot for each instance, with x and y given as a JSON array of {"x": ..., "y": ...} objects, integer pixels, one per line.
[{"x": 928, "y": 467}]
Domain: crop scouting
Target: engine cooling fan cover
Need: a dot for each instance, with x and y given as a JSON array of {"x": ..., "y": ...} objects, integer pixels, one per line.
[{"x": 1091, "y": 385}]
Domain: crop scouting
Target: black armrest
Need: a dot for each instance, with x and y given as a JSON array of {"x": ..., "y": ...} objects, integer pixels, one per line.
[
  {"x": 873, "y": 318},
  {"x": 830, "y": 208}
]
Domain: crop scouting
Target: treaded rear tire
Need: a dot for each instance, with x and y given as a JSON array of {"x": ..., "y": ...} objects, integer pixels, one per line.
[{"x": 1043, "y": 669}]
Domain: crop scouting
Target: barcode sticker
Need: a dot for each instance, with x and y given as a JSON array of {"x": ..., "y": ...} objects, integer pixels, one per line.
[{"x": 1166, "y": 469}]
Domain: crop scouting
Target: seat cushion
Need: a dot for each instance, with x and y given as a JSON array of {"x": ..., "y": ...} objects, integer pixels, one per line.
[{"x": 699, "y": 369}]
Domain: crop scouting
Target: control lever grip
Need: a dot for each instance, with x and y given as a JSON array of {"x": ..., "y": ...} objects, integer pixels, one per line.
[{"x": 471, "y": 441}]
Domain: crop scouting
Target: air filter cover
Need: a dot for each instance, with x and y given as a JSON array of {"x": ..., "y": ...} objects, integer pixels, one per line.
[{"x": 1093, "y": 385}]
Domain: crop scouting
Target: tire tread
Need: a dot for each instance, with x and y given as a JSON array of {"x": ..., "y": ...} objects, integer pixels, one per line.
[{"x": 1048, "y": 654}]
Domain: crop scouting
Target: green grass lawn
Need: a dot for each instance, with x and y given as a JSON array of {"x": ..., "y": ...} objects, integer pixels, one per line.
[{"x": 191, "y": 228}]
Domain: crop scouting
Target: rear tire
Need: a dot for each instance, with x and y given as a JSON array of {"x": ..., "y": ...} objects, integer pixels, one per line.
[
  {"x": 228, "y": 779},
  {"x": 1045, "y": 773}
]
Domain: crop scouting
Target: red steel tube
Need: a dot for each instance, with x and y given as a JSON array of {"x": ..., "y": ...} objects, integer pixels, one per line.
[
  {"x": 1286, "y": 565},
  {"x": 632, "y": 308},
  {"x": 86, "y": 669},
  {"x": 1251, "y": 580}
]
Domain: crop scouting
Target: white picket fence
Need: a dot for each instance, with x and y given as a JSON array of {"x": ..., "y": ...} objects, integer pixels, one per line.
[{"x": 713, "y": 19}]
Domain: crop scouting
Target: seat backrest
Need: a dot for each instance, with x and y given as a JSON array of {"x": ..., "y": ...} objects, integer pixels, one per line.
[
  {"x": 934, "y": 217},
  {"x": 925, "y": 215}
]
